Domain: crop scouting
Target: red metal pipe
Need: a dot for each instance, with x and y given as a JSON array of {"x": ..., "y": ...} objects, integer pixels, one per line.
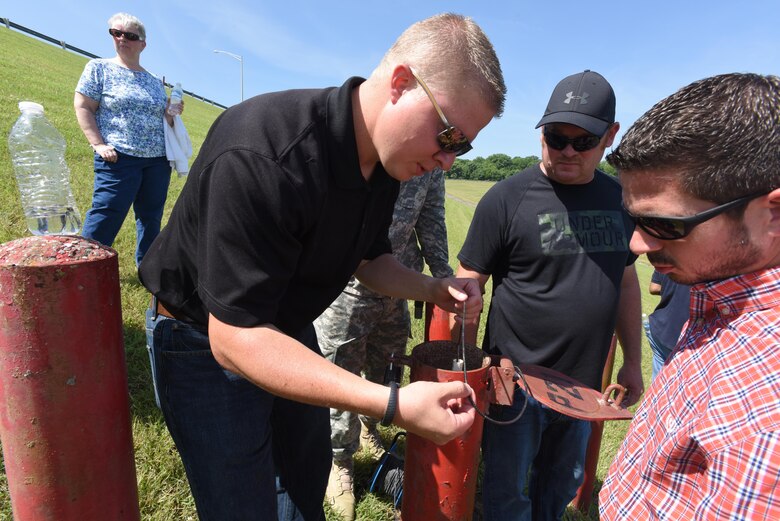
[
  {"x": 64, "y": 407},
  {"x": 437, "y": 323},
  {"x": 440, "y": 481}
]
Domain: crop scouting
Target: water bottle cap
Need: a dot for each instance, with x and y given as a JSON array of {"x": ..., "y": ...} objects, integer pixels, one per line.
[{"x": 30, "y": 106}]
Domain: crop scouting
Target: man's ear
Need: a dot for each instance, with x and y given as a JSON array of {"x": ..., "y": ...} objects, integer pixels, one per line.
[
  {"x": 611, "y": 133},
  {"x": 401, "y": 82},
  {"x": 773, "y": 202}
]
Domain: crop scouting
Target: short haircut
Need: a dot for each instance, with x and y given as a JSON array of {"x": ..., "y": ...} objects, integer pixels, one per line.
[
  {"x": 720, "y": 135},
  {"x": 126, "y": 20},
  {"x": 452, "y": 52}
]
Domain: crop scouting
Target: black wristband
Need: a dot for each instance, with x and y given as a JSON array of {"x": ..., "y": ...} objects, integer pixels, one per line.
[{"x": 392, "y": 404}]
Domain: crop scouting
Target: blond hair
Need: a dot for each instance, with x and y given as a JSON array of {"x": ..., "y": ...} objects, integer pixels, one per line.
[{"x": 451, "y": 51}]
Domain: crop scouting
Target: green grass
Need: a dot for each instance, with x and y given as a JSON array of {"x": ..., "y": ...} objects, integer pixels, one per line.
[{"x": 36, "y": 71}]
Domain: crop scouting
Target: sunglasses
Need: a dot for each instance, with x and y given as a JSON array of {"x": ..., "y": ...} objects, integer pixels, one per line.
[
  {"x": 451, "y": 139},
  {"x": 116, "y": 33},
  {"x": 672, "y": 228},
  {"x": 580, "y": 144}
]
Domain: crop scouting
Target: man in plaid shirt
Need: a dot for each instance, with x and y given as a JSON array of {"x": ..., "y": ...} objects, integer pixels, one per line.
[{"x": 701, "y": 178}]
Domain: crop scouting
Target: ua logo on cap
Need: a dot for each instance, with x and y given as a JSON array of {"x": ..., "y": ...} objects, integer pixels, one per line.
[{"x": 570, "y": 96}]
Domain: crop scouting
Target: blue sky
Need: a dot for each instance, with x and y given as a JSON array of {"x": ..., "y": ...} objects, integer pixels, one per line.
[{"x": 647, "y": 50}]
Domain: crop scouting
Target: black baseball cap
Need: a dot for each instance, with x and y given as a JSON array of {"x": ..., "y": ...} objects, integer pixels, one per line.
[{"x": 584, "y": 99}]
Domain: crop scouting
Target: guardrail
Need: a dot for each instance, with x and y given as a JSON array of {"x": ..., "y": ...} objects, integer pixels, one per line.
[{"x": 11, "y": 25}]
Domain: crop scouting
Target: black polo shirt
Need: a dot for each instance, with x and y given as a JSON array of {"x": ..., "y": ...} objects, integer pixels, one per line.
[{"x": 275, "y": 215}]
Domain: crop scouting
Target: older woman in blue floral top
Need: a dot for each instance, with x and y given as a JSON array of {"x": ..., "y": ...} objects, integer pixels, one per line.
[{"x": 121, "y": 108}]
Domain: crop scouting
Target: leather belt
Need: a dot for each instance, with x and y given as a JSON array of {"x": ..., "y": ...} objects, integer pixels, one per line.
[{"x": 160, "y": 309}]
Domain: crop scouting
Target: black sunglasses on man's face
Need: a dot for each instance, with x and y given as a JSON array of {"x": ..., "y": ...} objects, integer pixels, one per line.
[
  {"x": 116, "y": 33},
  {"x": 672, "y": 228},
  {"x": 451, "y": 139},
  {"x": 580, "y": 144}
]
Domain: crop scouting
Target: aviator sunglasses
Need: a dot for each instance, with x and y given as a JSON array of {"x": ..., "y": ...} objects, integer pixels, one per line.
[
  {"x": 672, "y": 228},
  {"x": 580, "y": 144},
  {"x": 116, "y": 33},
  {"x": 451, "y": 139}
]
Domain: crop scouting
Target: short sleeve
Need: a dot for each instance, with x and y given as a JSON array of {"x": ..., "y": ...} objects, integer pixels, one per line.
[
  {"x": 485, "y": 238},
  {"x": 91, "y": 81},
  {"x": 248, "y": 236}
]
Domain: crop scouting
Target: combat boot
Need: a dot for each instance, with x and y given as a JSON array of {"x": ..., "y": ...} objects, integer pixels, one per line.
[
  {"x": 340, "y": 493},
  {"x": 371, "y": 441}
]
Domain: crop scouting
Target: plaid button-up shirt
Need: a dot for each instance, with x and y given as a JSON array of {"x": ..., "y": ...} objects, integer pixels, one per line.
[{"x": 705, "y": 442}]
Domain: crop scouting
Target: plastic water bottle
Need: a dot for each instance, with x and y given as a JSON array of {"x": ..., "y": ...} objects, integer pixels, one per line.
[
  {"x": 177, "y": 94},
  {"x": 38, "y": 155}
]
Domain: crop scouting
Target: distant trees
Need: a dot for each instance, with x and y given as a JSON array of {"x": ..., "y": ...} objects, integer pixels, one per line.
[
  {"x": 492, "y": 168},
  {"x": 607, "y": 168},
  {"x": 499, "y": 166}
]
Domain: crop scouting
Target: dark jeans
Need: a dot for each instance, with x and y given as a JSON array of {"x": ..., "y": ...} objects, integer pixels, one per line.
[
  {"x": 248, "y": 455},
  {"x": 660, "y": 352},
  {"x": 534, "y": 466},
  {"x": 138, "y": 181}
]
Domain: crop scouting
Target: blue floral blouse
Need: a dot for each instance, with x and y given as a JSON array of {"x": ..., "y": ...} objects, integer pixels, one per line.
[{"x": 131, "y": 110}]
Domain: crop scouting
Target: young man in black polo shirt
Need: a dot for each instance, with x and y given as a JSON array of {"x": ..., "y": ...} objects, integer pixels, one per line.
[{"x": 292, "y": 193}]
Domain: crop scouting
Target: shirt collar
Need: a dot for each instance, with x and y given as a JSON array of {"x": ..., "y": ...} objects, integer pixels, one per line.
[
  {"x": 342, "y": 151},
  {"x": 737, "y": 295}
]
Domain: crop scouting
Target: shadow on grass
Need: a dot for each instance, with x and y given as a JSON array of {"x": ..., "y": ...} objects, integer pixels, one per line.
[
  {"x": 164, "y": 494},
  {"x": 139, "y": 377},
  {"x": 367, "y": 502}
]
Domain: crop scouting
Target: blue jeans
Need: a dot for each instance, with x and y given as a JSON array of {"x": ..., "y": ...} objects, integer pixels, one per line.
[
  {"x": 248, "y": 454},
  {"x": 660, "y": 351},
  {"x": 138, "y": 181},
  {"x": 533, "y": 467}
]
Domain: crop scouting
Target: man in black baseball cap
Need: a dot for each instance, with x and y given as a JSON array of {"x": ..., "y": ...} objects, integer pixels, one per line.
[
  {"x": 584, "y": 99},
  {"x": 577, "y": 127},
  {"x": 554, "y": 237}
]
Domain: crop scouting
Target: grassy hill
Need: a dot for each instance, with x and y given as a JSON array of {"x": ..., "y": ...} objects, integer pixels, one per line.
[
  {"x": 37, "y": 71},
  {"x": 31, "y": 70}
]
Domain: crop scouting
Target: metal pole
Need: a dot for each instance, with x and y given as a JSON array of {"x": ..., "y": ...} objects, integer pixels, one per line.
[
  {"x": 241, "y": 62},
  {"x": 584, "y": 496},
  {"x": 65, "y": 415}
]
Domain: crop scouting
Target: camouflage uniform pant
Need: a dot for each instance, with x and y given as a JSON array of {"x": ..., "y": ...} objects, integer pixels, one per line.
[{"x": 358, "y": 334}]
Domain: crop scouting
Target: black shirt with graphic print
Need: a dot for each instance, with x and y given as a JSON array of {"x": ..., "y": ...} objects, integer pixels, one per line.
[{"x": 556, "y": 254}]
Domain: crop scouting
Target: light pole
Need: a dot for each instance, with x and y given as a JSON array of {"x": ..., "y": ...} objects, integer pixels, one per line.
[{"x": 241, "y": 61}]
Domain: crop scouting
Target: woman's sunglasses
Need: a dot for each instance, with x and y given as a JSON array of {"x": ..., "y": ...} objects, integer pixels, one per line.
[
  {"x": 451, "y": 139},
  {"x": 580, "y": 144},
  {"x": 672, "y": 228},
  {"x": 116, "y": 33}
]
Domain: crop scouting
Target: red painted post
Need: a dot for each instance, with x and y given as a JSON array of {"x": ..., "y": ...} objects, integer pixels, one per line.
[
  {"x": 440, "y": 482},
  {"x": 437, "y": 323},
  {"x": 64, "y": 407}
]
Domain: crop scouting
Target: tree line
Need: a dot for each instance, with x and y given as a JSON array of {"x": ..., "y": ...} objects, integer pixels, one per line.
[{"x": 499, "y": 166}]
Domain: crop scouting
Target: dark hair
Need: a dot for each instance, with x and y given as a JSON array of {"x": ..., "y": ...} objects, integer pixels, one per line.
[{"x": 719, "y": 135}]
